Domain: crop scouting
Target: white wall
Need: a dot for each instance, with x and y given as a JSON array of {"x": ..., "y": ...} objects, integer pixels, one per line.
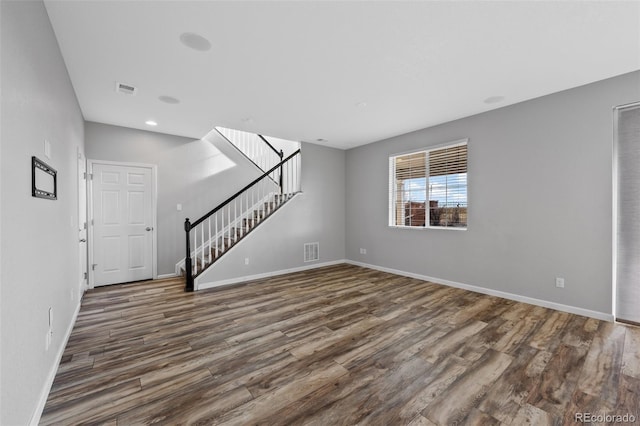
[
  {"x": 540, "y": 191},
  {"x": 39, "y": 245},
  {"x": 199, "y": 174},
  {"x": 316, "y": 215}
]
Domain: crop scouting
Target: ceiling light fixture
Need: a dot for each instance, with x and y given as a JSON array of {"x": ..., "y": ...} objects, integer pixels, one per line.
[
  {"x": 169, "y": 99},
  {"x": 195, "y": 42},
  {"x": 150, "y": 123},
  {"x": 493, "y": 99},
  {"x": 362, "y": 104}
]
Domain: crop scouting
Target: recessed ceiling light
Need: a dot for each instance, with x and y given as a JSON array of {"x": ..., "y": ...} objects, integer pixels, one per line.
[
  {"x": 150, "y": 123},
  {"x": 169, "y": 99},
  {"x": 362, "y": 104},
  {"x": 493, "y": 99},
  {"x": 195, "y": 41}
]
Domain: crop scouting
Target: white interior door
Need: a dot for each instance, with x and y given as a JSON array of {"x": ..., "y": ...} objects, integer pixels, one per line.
[
  {"x": 123, "y": 217},
  {"x": 82, "y": 222}
]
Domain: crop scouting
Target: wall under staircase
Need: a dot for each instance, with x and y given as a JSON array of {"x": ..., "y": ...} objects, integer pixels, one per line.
[
  {"x": 318, "y": 214},
  {"x": 315, "y": 215}
]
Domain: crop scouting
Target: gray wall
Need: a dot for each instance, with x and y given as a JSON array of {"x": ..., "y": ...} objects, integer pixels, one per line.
[
  {"x": 39, "y": 244},
  {"x": 199, "y": 174},
  {"x": 540, "y": 191},
  {"x": 316, "y": 215}
]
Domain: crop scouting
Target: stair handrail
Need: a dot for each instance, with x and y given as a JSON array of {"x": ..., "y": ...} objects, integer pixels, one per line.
[
  {"x": 222, "y": 130},
  {"x": 280, "y": 153},
  {"x": 228, "y": 200},
  {"x": 188, "y": 225}
]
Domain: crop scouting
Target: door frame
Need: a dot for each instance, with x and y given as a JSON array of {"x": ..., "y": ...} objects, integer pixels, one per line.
[
  {"x": 154, "y": 212},
  {"x": 83, "y": 222},
  {"x": 614, "y": 208}
]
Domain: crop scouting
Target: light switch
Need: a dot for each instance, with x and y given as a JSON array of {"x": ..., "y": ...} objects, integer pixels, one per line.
[{"x": 47, "y": 149}]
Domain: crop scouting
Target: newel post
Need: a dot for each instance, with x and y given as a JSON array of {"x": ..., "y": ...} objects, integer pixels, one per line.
[
  {"x": 188, "y": 269},
  {"x": 281, "y": 154}
]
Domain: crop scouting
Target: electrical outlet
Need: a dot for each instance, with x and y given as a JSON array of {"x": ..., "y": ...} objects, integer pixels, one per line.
[
  {"x": 246, "y": 260},
  {"x": 559, "y": 282},
  {"x": 363, "y": 251}
]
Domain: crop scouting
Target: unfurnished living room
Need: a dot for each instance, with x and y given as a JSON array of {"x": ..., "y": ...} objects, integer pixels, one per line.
[{"x": 319, "y": 212}]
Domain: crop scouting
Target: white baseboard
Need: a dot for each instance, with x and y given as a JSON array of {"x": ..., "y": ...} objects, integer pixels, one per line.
[
  {"x": 44, "y": 394},
  {"x": 162, "y": 276},
  {"x": 516, "y": 297},
  {"x": 202, "y": 286}
]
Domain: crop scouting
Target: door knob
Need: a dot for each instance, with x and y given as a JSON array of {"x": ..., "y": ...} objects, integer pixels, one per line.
[
  {"x": 84, "y": 240},
  {"x": 149, "y": 228}
]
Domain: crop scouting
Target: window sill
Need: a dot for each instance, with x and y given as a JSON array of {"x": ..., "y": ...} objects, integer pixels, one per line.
[{"x": 424, "y": 228}]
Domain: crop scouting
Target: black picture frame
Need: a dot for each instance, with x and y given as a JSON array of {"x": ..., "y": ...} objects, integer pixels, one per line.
[{"x": 44, "y": 180}]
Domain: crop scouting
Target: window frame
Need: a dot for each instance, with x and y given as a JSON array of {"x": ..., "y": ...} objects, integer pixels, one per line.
[{"x": 392, "y": 190}]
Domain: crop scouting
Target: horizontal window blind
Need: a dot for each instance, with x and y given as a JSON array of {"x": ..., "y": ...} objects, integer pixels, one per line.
[
  {"x": 429, "y": 188},
  {"x": 448, "y": 161},
  {"x": 411, "y": 166}
]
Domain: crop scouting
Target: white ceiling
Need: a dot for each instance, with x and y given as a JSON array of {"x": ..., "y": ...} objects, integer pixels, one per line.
[{"x": 347, "y": 72}]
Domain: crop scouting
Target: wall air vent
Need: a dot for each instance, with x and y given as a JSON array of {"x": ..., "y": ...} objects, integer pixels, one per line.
[
  {"x": 127, "y": 89},
  {"x": 311, "y": 252}
]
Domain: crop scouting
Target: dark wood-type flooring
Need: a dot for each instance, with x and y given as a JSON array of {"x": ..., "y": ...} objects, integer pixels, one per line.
[{"x": 339, "y": 345}]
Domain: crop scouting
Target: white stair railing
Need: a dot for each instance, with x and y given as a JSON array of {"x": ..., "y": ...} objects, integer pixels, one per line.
[{"x": 255, "y": 147}]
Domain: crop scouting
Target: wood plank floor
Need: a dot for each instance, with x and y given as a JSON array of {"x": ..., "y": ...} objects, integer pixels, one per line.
[{"x": 340, "y": 345}]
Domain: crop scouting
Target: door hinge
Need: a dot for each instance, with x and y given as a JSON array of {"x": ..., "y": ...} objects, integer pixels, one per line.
[
  {"x": 85, "y": 275},
  {"x": 93, "y": 267},
  {"x": 84, "y": 226}
]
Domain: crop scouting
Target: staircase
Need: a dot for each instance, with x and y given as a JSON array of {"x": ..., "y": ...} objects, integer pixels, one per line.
[
  {"x": 210, "y": 237},
  {"x": 256, "y": 148}
]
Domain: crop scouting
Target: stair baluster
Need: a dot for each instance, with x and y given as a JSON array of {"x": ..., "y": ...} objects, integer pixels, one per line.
[{"x": 251, "y": 206}]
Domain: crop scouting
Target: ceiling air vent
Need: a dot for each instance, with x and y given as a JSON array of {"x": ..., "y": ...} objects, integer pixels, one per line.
[
  {"x": 311, "y": 252},
  {"x": 127, "y": 89}
]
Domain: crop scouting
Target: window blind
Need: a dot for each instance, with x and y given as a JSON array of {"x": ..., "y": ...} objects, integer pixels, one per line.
[{"x": 448, "y": 161}]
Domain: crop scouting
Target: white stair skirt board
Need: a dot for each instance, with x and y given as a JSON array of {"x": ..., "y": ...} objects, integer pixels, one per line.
[
  {"x": 230, "y": 281},
  {"x": 516, "y": 297}
]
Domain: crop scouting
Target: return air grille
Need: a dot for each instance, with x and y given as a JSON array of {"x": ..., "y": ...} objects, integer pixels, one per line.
[
  {"x": 127, "y": 89},
  {"x": 311, "y": 252}
]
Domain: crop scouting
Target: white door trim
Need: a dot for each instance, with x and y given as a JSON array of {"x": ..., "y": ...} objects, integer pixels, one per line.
[
  {"x": 614, "y": 206},
  {"x": 154, "y": 208},
  {"x": 83, "y": 223}
]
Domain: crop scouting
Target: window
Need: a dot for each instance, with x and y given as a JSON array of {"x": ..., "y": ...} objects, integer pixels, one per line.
[{"x": 428, "y": 188}]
